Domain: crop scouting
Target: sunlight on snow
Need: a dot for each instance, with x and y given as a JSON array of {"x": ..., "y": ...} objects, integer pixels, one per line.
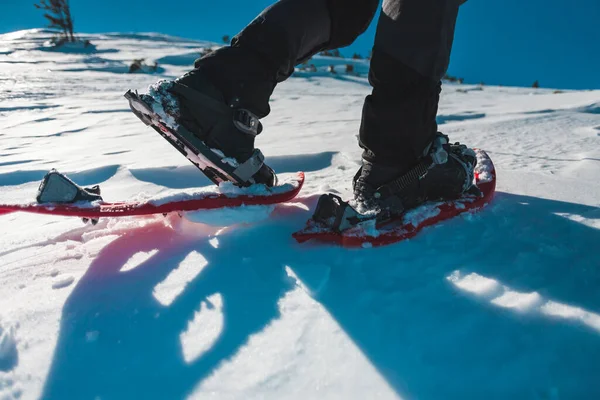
[
  {"x": 503, "y": 296},
  {"x": 591, "y": 219},
  {"x": 137, "y": 259},
  {"x": 564, "y": 311},
  {"x": 168, "y": 290},
  {"x": 521, "y": 301},
  {"x": 214, "y": 242},
  {"x": 473, "y": 283},
  {"x": 204, "y": 329}
]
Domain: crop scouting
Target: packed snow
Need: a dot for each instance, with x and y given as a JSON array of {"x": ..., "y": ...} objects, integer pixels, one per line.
[{"x": 499, "y": 304}]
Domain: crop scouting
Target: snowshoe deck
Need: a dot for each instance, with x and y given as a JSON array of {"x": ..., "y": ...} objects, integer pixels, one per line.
[
  {"x": 367, "y": 234},
  {"x": 177, "y": 202}
]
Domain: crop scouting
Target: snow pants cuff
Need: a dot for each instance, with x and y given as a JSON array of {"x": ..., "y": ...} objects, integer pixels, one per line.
[
  {"x": 418, "y": 33},
  {"x": 286, "y": 33}
]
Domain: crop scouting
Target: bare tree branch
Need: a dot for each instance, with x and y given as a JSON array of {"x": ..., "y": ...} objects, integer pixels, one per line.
[{"x": 59, "y": 16}]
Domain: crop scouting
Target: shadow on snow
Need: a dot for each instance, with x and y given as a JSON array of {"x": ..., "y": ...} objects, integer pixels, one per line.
[
  {"x": 188, "y": 176},
  {"x": 425, "y": 336}
]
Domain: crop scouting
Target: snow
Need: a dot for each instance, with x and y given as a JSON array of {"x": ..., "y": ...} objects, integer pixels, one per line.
[
  {"x": 8, "y": 346},
  {"x": 231, "y": 216},
  {"x": 63, "y": 282},
  {"x": 498, "y": 304},
  {"x": 483, "y": 168},
  {"x": 225, "y": 188}
]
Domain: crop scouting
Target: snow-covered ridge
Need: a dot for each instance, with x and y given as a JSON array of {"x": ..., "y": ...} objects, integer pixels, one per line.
[{"x": 499, "y": 304}]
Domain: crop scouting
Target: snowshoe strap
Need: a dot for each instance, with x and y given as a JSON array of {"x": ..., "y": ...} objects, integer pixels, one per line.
[
  {"x": 469, "y": 169},
  {"x": 334, "y": 213},
  {"x": 246, "y": 122},
  {"x": 434, "y": 154},
  {"x": 251, "y": 166},
  {"x": 400, "y": 184},
  {"x": 436, "y": 150}
]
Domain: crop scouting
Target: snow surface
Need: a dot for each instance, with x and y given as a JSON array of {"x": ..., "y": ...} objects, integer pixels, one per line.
[{"x": 499, "y": 304}]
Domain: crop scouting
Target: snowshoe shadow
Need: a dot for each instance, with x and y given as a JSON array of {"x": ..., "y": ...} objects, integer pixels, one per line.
[
  {"x": 301, "y": 162},
  {"x": 188, "y": 176},
  {"x": 83, "y": 178},
  {"x": 436, "y": 315},
  {"x": 182, "y": 177},
  {"x": 118, "y": 341},
  {"x": 506, "y": 295},
  {"x": 444, "y": 119}
]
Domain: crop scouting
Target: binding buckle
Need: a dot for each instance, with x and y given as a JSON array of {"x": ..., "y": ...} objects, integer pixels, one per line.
[
  {"x": 246, "y": 122},
  {"x": 438, "y": 154},
  {"x": 337, "y": 214},
  {"x": 251, "y": 166}
]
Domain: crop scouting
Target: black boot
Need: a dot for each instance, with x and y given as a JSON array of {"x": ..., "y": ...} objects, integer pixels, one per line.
[
  {"x": 405, "y": 160},
  {"x": 220, "y": 102},
  {"x": 383, "y": 193},
  {"x": 446, "y": 172}
]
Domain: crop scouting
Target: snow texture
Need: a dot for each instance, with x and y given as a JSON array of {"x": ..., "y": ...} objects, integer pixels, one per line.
[
  {"x": 484, "y": 167},
  {"x": 8, "y": 346},
  {"x": 226, "y": 188},
  {"x": 63, "y": 282},
  {"x": 499, "y": 304},
  {"x": 231, "y": 216}
]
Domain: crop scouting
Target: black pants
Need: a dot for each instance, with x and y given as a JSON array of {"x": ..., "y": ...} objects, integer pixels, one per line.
[{"x": 410, "y": 55}]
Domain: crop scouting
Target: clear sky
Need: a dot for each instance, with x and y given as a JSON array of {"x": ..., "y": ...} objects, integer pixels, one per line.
[{"x": 509, "y": 42}]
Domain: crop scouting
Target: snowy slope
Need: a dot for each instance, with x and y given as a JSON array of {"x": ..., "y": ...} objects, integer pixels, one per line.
[{"x": 499, "y": 304}]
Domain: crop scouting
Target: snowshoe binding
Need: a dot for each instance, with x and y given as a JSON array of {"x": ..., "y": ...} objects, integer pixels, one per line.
[
  {"x": 58, "y": 188},
  {"x": 445, "y": 173},
  {"x": 215, "y": 136}
]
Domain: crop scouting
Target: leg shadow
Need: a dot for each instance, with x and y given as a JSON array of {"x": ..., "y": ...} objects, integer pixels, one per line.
[
  {"x": 535, "y": 333},
  {"x": 427, "y": 334},
  {"x": 117, "y": 341}
]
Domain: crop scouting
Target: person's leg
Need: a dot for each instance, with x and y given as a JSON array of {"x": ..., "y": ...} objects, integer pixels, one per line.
[
  {"x": 265, "y": 52},
  {"x": 398, "y": 127},
  {"x": 242, "y": 76},
  {"x": 410, "y": 56}
]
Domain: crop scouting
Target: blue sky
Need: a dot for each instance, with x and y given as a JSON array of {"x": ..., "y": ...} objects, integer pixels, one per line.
[{"x": 512, "y": 42}]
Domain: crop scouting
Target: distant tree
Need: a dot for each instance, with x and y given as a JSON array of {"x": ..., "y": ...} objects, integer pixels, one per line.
[
  {"x": 536, "y": 84},
  {"x": 357, "y": 56},
  {"x": 226, "y": 39},
  {"x": 58, "y": 13},
  {"x": 349, "y": 68}
]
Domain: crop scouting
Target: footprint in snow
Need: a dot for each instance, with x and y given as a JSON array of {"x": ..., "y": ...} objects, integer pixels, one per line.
[{"x": 63, "y": 282}]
